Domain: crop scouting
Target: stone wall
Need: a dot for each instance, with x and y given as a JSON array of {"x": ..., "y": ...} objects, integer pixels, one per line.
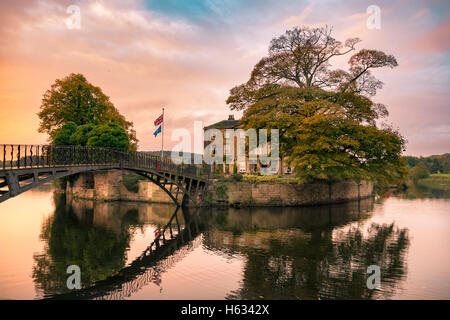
[
  {"x": 282, "y": 194},
  {"x": 108, "y": 186}
]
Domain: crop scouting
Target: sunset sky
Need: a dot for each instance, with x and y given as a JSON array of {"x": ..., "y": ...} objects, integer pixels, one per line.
[{"x": 186, "y": 55}]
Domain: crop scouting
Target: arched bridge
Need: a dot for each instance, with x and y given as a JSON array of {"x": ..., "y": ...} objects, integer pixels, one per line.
[{"x": 23, "y": 167}]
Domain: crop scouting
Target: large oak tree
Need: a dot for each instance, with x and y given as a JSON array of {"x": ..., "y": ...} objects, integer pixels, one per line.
[{"x": 326, "y": 117}]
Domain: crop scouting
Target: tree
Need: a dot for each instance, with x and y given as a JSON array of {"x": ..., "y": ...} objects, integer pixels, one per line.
[
  {"x": 301, "y": 58},
  {"x": 420, "y": 171},
  {"x": 109, "y": 135},
  {"x": 63, "y": 135},
  {"x": 412, "y": 161},
  {"x": 74, "y": 99},
  {"x": 81, "y": 135},
  {"x": 327, "y": 121}
]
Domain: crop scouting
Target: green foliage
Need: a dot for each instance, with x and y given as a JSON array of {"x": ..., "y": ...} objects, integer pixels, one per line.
[
  {"x": 435, "y": 182},
  {"x": 420, "y": 171},
  {"x": 440, "y": 175},
  {"x": 237, "y": 177},
  {"x": 221, "y": 191},
  {"x": 434, "y": 164},
  {"x": 329, "y": 136},
  {"x": 271, "y": 179},
  {"x": 327, "y": 122},
  {"x": 131, "y": 182},
  {"x": 63, "y": 135},
  {"x": 110, "y": 135},
  {"x": 81, "y": 135},
  {"x": 74, "y": 99},
  {"x": 412, "y": 161}
]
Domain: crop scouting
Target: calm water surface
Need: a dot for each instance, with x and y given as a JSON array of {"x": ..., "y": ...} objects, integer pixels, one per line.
[{"x": 133, "y": 250}]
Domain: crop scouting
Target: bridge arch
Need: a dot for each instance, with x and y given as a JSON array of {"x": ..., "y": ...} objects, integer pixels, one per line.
[{"x": 23, "y": 167}]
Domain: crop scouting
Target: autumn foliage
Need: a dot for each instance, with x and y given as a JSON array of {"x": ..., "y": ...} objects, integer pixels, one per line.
[{"x": 327, "y": 120}]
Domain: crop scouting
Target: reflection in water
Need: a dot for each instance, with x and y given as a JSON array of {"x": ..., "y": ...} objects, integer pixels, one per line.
[
  {"x": 289, "y": 253},
  {"x": 172, "y": 243},
  {"x": 93, "y": 236},
  {"x": 416, "y": 191},
  {"x": 302, "y": 254}
]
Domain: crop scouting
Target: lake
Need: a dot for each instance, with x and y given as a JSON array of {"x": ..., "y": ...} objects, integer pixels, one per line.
[{"x": 130, "y": 250}]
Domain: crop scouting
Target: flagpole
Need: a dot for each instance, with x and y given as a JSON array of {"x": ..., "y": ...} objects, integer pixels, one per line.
[{"x": 162, "y": 135}]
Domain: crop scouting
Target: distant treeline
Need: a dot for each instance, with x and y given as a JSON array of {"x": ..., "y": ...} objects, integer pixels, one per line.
[{"x": 433, "y": 164}]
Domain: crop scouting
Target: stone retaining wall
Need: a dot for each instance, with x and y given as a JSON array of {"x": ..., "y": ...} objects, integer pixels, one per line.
[
  {"x": 281, "y": 194},
  {"x": 108, "y": 186}
]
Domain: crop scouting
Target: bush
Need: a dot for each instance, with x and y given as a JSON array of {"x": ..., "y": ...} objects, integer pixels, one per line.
[
  {"x": 237, "y": 177},
  {"x": 62, "y": 137},
  {"x": 221, "y": 191},
  {"x": 81, "y": 135},
  {"x": 420, "y": 171},
  {"x": 131, "y": 182},
  {"x": 109, "y": 135}
]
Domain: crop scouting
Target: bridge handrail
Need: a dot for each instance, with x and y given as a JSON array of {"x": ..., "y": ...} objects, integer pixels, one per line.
[{"x": 17, "y": 156}]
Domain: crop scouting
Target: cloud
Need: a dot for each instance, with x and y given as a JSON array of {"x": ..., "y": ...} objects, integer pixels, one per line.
[
  {"x": 433, "y": 41},
  {"x": 420, "y": 14},
  {"x": 186, "y": 55},
  {"x": 300, "y": 18}
]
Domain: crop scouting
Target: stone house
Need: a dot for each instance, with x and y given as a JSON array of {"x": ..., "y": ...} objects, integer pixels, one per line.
[{"x": 243, "y": 164}]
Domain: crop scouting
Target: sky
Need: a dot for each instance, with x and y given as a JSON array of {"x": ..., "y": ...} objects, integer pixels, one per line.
[{"x": 185, "y": 55}]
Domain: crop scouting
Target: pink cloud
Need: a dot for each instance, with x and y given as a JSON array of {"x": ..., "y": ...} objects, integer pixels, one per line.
[
  {"x": 145, "y": 61},
  {"x": 434, "y": 41},
  {"x": 420, "y": 14}
]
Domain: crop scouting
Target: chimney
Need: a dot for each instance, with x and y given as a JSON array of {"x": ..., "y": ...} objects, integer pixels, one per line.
[{"x": 231, "y": 117}]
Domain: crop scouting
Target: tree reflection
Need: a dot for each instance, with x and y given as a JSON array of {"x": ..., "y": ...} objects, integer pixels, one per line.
[
  {"x": 306, "y": 260},
  {"x": 72, "y": 237},
  {"x": 415, "y": 191}
]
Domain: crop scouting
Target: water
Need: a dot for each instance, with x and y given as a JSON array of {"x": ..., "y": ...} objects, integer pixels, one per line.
[{"x": 260, "y": 253}]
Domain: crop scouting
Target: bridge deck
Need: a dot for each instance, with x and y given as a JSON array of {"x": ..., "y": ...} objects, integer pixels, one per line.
[{"x": 23, "y": 167}]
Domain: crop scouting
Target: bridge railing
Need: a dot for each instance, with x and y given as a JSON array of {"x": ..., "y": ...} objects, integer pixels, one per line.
[{"x": 13, "y": 156}]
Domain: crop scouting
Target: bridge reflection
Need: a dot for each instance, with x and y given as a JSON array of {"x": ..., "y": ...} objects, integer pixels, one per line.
[{"x": 112, "y": 223}]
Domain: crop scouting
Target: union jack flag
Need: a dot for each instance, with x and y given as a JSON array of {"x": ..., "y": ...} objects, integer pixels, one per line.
[{"x": 159, "y": 120}]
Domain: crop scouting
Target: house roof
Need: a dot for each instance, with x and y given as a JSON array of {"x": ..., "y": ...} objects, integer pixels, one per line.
[{"x": 224, "y": 124}]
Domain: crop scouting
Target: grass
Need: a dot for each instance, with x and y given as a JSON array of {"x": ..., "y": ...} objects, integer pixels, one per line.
[
  {"x": 131, "y": 182},
  {"x": 440, "y": 175},
  {"x": 252, "y": 178},
  {"x": 271, "y": 179}
]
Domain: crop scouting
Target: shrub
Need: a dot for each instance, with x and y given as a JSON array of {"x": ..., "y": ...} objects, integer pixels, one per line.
[
  {"x": 221, "y": 191},
  {"x": 237, "y": 177},
  {"x": 420, "y": 171},
  {"x": 131, "y": 182}
]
